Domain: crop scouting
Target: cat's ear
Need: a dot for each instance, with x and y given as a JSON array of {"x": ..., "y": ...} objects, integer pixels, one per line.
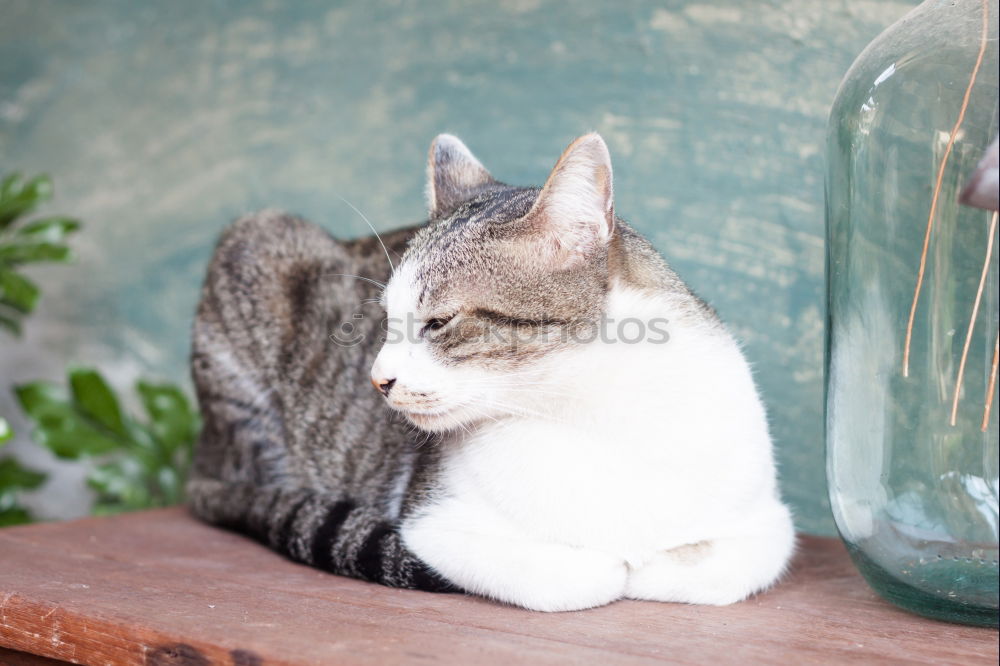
[
  {"x": 454, "y": 175},
  {"x": 574, "y": 213}
]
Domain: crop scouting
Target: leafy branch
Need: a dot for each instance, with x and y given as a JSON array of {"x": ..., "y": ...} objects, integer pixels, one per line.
[
  {"x": 139, "y": 463},
  {"x": 136, "y": 463},
  {"x": 14, "y": 477},
  {"x": 25, "y": 242}
]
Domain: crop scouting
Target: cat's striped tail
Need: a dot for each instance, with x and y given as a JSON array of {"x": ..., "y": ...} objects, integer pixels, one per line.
[{"x": 328, "y": 532}]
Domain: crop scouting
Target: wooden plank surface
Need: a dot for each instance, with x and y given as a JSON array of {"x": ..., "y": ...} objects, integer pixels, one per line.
[{"x": 160, "y": 588}]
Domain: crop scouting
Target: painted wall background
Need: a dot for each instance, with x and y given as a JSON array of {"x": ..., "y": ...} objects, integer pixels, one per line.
[{"x": 160, "y": 122}]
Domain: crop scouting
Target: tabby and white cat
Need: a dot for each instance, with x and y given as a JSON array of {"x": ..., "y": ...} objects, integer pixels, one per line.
[{"x": 564, "y": 454}]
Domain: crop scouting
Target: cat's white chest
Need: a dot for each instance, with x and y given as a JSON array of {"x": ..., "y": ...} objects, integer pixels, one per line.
[
  {"x": 624, "y": 471},
  {"x": 618, "y": 489},
  {"x": 655, "y": 449}
]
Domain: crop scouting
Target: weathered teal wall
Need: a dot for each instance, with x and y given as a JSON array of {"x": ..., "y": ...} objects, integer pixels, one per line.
[{"x": 162, "y": 121}]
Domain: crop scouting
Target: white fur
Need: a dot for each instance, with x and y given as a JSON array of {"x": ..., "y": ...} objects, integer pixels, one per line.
[{"x": 588, "y": 478}]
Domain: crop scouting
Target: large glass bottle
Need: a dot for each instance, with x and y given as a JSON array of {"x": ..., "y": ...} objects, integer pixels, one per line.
[{"x": 912, "y": 441}]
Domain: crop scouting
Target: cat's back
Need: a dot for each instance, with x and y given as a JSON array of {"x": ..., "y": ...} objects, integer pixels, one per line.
[{"x": 283, "y": 337}]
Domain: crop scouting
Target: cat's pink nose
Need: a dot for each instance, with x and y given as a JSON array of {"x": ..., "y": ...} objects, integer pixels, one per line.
[{"x": 383, "y": 386}]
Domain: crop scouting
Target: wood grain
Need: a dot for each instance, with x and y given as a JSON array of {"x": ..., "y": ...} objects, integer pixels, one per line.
[{"x": 160, "y": 588}]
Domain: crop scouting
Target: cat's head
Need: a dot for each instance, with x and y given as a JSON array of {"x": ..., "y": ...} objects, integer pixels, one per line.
[{"x": 499, "y": 282}]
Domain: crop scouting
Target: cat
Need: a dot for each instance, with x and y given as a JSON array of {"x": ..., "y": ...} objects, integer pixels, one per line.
[{"x": 554, "y": 420}]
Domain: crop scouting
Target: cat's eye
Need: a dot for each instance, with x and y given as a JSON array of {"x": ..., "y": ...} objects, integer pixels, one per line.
[{"x": 434, "y": 324}]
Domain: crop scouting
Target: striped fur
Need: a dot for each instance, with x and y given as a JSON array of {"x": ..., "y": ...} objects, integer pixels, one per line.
[{"x": 297, "y": 451}]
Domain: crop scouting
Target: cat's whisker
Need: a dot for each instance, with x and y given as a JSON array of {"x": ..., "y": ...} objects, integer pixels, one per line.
[
  {"x": 513, "y": 410},
  {"x": 542, "y": 395},
  {"x": 510, "y": 384},
  {"x": 464, "y": 426},
  {"x": 483, "y": 413},
  {"x": 392, "y": 268},
  {"x": 547, "y": 398},
  {"x": 422, "y": 437},
  {"x": 512, "y": 380},
  {"x": 539, "y": 388},
  {"x": 374, "y": 282},
  {"x": 512, "y": 377}
]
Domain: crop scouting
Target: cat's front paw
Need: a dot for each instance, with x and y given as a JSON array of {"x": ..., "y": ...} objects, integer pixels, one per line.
[
  {"x": 720, "y": 571},
  {"x": 573, "y": 579},
  {"x": 520, "y": 571}
]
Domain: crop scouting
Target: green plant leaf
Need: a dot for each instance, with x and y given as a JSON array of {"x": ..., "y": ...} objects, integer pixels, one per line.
[
  {"x": 172, "y": 420},
  {"x": 59, "y": 425},
  {"x": 171, "y": 487},
  {"x": 70, "y": 437},
  {"x": 11, "y": 324},
  {"x": 122, "y": 485},
  {"x": 112, "y": 479},
  {"x": 15, "y": 475},
  {"x": 95, "y": 398},
  {"x": 36, "y": 397},
  {"x": 50, "y": 229},
  {"x": 9, "y": 184},
  {"x": 137, "y": 463},
  {"x": 6, "y": 432},
  {"x": 18, "y": 291},
  {"x": 29, "y": 253},
  {"x": 18, "y": 200},
  {"x": 14, "y": 515}
]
